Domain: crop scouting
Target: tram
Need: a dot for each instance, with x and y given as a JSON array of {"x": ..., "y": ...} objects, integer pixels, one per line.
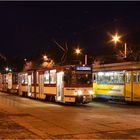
[
  {"x": 118, "y": 81},
  {"x": 9, "y": 82},
  {"x": 67, "y": 84}
]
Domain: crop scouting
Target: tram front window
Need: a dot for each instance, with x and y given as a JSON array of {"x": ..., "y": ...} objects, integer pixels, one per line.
[
  {"x": 84, "y": 78},
  {"x": 77, "y": 78}
]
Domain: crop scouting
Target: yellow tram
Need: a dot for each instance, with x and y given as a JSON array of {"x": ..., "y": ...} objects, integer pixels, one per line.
[{"x": 118, "y": 81}]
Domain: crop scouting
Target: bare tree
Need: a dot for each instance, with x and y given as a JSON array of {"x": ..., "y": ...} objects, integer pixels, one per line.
[{"x": 65, "y": 51}]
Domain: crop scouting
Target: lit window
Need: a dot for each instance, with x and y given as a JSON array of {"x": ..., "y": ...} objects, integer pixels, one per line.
[
  {"x": 113, "y": 77},
  {"x": 128, "y": 77},
  {"x": 24, "y": 78},
  {"x": 52, "y": 76},
  {"x": 46, "y": 77},
  {"x": 136, "y": 77}
]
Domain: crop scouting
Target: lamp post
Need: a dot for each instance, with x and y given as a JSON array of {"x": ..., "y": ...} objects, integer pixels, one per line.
[
  {"x": 116, "y": 38},
  {"x": 85, "y": 59},
  {"x": 125, "y": 50},
  {"x": 78, "y": 51}
]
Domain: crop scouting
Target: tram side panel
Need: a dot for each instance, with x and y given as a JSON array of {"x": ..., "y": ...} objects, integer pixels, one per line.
[
  {"x": 127, "y": 90},
  {"x": 109, "y": 85}
]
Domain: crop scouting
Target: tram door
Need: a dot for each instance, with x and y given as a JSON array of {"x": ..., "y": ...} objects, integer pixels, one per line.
[
  {"x": 41, "y": 84},
  {"x": 136, "y": 85},
  {"x": 29, "y": 85},
  {"x": 128, "y": 86},
  {"x": 60, "y": 87}
]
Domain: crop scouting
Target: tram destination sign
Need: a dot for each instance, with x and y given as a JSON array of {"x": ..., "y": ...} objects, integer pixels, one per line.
[{"x": 83, "y": 68}]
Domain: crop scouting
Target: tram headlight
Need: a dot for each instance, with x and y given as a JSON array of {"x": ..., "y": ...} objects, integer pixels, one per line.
[
  {"x": 79, "y": 92},
  {"x": 90, "y": 92}
]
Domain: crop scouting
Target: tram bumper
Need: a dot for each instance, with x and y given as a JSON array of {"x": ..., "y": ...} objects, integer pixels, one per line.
[{"x": 84, "y": 99}]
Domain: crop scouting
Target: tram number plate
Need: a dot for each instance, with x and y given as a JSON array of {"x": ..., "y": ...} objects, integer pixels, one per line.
[{"x": 69, "y": 99}]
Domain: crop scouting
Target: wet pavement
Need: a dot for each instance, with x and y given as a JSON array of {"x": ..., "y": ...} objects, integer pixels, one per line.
[{"x": 23, "y": 118}]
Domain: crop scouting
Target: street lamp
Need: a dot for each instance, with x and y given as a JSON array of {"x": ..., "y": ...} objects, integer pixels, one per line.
[
  {"x": 116, "y": 38},
  {"x": 78, "y": 51}
]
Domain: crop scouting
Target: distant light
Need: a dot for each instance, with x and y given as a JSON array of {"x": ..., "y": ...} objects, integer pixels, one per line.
[
  {"x": 25, "y": 59},
  {"x": 6, "y": 68},
  {"x": 45, "y": 57}
]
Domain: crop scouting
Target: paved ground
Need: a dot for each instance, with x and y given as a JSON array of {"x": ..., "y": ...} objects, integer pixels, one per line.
[{"x": 22, "y": 118}]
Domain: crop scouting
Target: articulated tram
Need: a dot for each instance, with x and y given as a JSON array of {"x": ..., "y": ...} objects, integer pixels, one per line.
[
  {"x": 67, "y": 84},
  {"x": 118, "y": 81}
]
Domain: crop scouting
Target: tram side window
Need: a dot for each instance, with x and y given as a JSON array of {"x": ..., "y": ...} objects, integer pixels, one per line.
[
  {"x": 128, "y": 77},
  {"x": 68, "y": 77},
  {"x": 100, "y": 77},
  {"x": 136, "y": 77},
  {"x": 113, "y": 77},
  {"x": 24, "y": 78},
  {"x": 120, "y": 77},
  {"x": 52, "y": 76},
  {"x": 46, "y": 77}
]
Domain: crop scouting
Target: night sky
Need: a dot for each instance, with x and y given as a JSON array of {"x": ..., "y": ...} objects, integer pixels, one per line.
[{"x": 29, "y": 28}]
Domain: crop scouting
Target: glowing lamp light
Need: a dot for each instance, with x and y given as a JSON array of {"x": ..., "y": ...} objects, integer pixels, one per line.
[
  {"x": 77, "y": 51},
  {"x": 45, "y": 57},
  {"x": 116, "y": 38}
]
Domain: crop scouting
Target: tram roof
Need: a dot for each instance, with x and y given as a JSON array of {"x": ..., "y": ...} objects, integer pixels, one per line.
[
  {"x": 58, "y": 67},
  {"x": 117, "y": 66}
]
